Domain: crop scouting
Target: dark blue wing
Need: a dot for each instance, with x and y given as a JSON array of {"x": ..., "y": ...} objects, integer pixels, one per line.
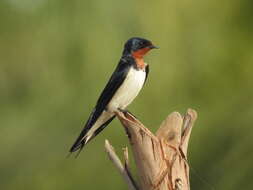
[
  {"x": 110, "y": 89},
  {"x": 147, "y": 71}
]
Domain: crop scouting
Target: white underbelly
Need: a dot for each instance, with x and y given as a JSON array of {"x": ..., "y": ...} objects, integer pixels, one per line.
[{"x": 128, "y": 90}]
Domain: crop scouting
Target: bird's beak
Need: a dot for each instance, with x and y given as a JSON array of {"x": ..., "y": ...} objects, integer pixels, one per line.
[{"x": 153, "y": 47}]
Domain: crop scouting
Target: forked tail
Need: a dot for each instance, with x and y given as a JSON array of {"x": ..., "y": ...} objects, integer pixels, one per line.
[{"x": 88, "y": 133}]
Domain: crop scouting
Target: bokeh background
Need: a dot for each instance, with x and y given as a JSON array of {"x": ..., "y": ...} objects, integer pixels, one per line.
[{"x": 57, "y": 55}]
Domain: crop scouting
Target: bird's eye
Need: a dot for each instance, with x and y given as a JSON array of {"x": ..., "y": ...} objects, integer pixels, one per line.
[{"x": 142, "y": 43}]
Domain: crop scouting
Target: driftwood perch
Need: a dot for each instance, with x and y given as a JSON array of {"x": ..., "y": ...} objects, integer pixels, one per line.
[{"x": 161, "y": 159}]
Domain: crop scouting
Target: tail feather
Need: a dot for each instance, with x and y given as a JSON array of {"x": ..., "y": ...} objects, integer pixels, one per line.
[
  {"x": 78, "y": 145},
  {"x": 85, "y": 137}
]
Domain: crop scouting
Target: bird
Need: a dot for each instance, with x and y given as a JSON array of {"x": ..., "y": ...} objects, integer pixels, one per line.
[{"x": 122, "y": 88}]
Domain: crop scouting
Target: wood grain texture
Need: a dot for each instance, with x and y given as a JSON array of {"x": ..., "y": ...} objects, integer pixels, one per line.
[{"x": 161, "y": 159}]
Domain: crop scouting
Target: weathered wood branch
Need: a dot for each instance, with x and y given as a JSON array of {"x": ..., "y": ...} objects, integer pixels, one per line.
[
  {"x": 123, "y": 169},
  {"x": 161, "y": 159}
]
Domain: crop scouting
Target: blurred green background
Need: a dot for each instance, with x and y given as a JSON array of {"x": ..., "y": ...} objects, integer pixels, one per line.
[{"x": 57, "y": 55}]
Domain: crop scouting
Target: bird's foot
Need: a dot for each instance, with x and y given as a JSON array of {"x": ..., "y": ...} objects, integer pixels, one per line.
[
  {"x": 126, "y": 112},
  {"x": 123, "y": 110}
]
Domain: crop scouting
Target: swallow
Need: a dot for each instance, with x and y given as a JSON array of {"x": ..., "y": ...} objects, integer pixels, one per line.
[{"x": 122, "y": 88}]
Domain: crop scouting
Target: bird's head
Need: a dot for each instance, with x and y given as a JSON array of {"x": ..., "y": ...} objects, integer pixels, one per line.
[{"x": 137, "y": 47}]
